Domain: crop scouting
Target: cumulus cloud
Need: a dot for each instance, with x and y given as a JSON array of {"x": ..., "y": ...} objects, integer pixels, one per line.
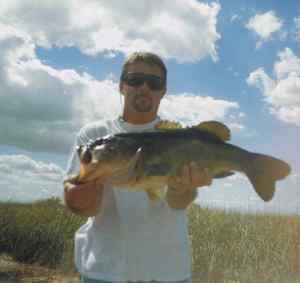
[
  {"x": 190, "y": 109},
  {"x": 42, "y": 107},
  {"x": 282, "y": 92},
  {"x": 24, "y": 179},
  {"x": 265, "y": 26},
  {"x": 185, "y": 30}
]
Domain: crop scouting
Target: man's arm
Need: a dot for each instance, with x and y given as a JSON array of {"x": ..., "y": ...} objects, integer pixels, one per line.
[
  {"x": 182, "y": 190},
  {"x": 83, "y": 199}
]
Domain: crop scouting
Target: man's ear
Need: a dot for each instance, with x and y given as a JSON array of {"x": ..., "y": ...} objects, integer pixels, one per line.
[{"x": 163, "y": 92}]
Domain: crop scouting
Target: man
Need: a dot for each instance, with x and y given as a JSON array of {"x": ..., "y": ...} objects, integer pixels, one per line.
[{"x": 127, "y": 238}]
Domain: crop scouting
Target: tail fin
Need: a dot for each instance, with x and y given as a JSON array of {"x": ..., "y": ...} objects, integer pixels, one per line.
[{"x": 263, "y": 171}]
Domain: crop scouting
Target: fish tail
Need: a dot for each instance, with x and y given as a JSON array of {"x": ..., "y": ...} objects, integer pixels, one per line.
[{"x": 263, "y": 171}]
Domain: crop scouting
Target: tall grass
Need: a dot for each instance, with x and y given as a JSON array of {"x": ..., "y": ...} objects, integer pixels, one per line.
[
  {"x": 41, "y": 232},
  {"x": 226, "y": 247},
  {"x": 234, "y": 247}
]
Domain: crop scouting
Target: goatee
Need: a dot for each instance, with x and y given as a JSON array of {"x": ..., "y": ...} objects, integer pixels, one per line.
[{"x": 142, "y": 103}]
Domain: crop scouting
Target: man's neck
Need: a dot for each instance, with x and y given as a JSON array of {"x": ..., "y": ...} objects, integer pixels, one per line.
[{"x": 140, "y": 119}]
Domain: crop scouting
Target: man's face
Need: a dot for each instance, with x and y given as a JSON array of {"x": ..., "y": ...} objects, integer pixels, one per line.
[{"x": 140, "y": 98}]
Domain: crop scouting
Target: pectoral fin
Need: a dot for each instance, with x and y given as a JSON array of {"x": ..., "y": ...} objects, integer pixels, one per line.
[
  {"x": 136, "y": 165},
  {"x": 154, "y": 194},
  {"x": 130, "y": 175}
]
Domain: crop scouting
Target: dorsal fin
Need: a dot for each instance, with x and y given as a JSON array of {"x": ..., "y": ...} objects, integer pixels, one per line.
[
  {"x": 168, "y": 125},
  {"x": 216, "y": 128}
]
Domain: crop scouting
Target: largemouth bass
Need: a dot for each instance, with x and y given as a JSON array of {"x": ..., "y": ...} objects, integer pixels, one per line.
[{"x": 149, "y": 160}]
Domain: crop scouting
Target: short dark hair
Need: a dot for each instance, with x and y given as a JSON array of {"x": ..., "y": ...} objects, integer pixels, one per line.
[{"x": 147, "y": 58}]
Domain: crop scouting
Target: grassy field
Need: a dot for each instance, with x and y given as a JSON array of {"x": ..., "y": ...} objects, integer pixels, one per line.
[{"x": 227, "y": 247}]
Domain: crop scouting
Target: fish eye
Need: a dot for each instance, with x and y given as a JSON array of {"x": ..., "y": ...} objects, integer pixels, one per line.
[
  {"x": 79, "y": 149},
  {"x": 99, "y": 141}
]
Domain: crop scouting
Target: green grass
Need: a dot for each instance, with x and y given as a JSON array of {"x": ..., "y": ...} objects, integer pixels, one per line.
[
  {"x": 227, "y": 247},
  {"x": 41, "y": 232}
]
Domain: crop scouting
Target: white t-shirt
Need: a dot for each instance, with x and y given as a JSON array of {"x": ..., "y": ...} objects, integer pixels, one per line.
[{"x": 131, "y": 239}]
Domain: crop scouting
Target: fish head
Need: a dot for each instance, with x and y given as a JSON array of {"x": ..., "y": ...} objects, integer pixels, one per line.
[{"x": 108, "y": 155}]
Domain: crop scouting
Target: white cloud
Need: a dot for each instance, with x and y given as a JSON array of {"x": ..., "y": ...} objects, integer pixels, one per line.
[
  {"x": 282, "y": 92},
  {"x": 27, "y": 179},
  {"x": 288, "y": 66},
  {"x": 42, "y": 107},
  {"x": 185, "y": 30},
  {"x": 190, "y": 109},
  {"x": 295, "y": 178},
  {"x": 265, "y": 26},
  {"x": 236, "y": 126}
]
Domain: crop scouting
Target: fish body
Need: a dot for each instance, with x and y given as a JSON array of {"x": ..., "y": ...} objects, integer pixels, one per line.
[{"x": 148, "y": 160}]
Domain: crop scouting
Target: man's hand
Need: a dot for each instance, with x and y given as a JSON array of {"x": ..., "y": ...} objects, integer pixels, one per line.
[
  {"x": 189, "y": 178},
  {"x": 83, "y": 199},
  {"x": 182, "y": 188}
]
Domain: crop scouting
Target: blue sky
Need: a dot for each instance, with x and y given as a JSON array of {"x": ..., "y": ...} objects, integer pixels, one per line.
[{"x": 237, "y": 62}]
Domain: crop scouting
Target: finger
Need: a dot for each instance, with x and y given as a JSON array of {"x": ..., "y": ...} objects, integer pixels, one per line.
[
  {"x": 185, "y": 175},
  {"x": 195, "y": 174},
  {"x": 208, "y": 177},
  {"x": 200, "y": 176}
]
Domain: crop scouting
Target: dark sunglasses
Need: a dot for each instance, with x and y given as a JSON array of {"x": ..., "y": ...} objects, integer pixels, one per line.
[{"x": 138, "y": 79}]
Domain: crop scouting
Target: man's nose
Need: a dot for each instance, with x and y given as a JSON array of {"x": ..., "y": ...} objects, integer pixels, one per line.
[{"x": 144, "y": 87}]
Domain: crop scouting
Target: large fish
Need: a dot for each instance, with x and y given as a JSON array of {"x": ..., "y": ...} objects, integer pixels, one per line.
[{"x": 149, "y": 160}]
